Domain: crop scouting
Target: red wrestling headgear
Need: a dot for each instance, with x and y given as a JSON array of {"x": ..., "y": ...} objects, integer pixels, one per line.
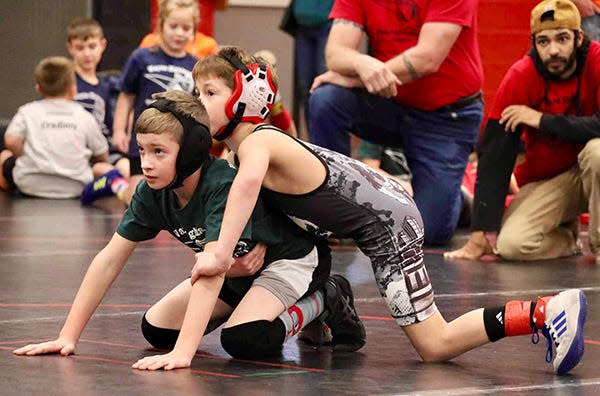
[{"x": 252, "y": 98}]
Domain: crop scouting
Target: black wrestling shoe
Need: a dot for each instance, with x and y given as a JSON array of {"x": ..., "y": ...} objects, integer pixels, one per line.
[{"x": 347, "y": 330}]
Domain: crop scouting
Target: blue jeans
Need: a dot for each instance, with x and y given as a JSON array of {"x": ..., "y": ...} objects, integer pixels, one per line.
[
  {"x": 436, "y": 144},
  {"x": 310, "y": 59}
]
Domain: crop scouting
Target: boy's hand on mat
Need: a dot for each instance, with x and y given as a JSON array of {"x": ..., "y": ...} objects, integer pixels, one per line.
[
  {"x": 63, "y": 347},
  {"x": 208, "y": 265},
  {"x": 170, "y": 361}
]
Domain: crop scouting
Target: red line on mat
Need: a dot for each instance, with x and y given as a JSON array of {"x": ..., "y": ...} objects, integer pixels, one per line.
[
  {"x": 128, "y": 363},
  {"x": 207, "y": 356}
]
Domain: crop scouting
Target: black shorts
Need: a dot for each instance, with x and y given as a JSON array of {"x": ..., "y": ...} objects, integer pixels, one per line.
[
  {"x": 234, "y": 289},
  {"x": 7, "y": 168}
]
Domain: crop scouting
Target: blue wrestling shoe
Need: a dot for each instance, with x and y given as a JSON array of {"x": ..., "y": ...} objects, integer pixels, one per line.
[{"x": 563, "y": 327}]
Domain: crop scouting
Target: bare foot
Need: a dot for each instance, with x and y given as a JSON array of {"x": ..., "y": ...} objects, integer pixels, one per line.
[{"x": 476, "y": 246}]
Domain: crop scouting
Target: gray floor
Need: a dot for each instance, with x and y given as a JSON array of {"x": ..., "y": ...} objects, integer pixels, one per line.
[{"x": 46, "y": 246}]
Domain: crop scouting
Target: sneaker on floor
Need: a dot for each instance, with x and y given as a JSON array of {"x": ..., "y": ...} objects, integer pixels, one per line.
[
  {"x": 347, "y": 330},
  {"x": 563, "y": 328},
  {"x": 99, "y": 187},
  {"x": 316, "y": 333}
]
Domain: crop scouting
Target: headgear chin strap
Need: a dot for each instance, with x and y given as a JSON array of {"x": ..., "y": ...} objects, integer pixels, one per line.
[
  {"x": 195, "y": 144},
  {"x": 252, "y": 98}
]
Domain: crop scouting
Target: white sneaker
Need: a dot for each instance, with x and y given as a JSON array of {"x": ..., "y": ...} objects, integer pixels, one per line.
[{"x": 565, "y": 318}]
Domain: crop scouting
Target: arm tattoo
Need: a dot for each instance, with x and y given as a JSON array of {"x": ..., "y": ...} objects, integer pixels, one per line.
[{"x": 414, "y": 75}]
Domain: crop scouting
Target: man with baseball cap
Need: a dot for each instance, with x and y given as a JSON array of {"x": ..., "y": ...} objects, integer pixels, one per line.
[{"x": 550, "y": 100}]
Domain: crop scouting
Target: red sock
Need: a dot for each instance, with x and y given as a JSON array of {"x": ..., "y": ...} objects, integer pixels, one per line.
[{"x": 519, "y": 317}]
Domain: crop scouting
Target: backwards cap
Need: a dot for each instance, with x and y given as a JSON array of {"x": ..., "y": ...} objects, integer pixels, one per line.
[
  {"x": 195, "y": 143},
  {"x": 555, "y": 14}
]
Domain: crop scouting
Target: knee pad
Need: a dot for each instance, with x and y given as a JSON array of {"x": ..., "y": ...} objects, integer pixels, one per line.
[
  {"x": 252, "y": 340},
  {"x": 158, "y": 337}
]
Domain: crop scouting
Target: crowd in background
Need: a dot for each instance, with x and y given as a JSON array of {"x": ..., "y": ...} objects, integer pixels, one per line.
[{"x": 417, "y": 121}]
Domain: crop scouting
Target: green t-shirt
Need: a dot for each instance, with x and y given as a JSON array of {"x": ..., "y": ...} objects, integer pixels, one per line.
[{"x": 199, "y": 222}]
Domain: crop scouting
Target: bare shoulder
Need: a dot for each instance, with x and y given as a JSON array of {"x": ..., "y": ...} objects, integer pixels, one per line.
[
  {"x": 280, "y": 148},
  {"x": 267, "y": 132},
  {"x": 272, "y": 139}
]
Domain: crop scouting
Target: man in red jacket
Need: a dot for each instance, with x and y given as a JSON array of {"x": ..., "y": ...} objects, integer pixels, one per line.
[{"x": 549, "y": 99}]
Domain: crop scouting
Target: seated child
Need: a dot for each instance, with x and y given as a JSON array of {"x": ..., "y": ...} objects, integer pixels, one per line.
[
  {"x": 184, "y": 192},
  {"x": 86, "y": 44},
  {"x": 51, "y": 142}
]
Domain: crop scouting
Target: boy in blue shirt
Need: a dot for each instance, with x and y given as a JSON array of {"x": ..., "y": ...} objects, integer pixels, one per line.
[{"x": 86, "y": 44}]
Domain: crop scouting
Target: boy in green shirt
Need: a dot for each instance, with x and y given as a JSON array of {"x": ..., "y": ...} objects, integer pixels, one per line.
[{"x": 184, "y": 192}]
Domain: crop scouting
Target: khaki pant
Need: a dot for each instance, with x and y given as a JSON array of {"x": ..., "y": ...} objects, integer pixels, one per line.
[{"x": 542, "y": 219}]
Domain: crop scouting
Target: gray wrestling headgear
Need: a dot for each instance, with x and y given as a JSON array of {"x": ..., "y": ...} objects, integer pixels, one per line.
[{"x": 195, "y": 145}]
